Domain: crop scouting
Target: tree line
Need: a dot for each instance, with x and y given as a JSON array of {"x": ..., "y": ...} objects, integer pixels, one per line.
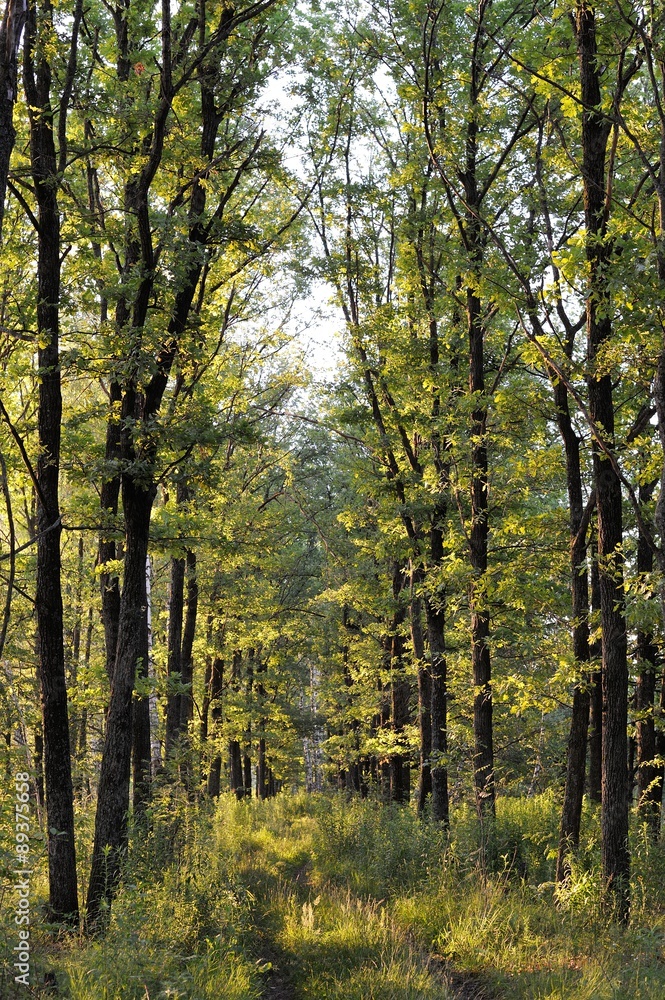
[{"x": 445, "y": 565}]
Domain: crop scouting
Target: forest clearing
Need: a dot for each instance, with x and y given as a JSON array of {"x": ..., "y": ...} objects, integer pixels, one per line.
[{"x": 332, "y": 499}]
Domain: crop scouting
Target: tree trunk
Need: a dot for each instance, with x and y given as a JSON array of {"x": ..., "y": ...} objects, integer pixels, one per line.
[
  {"x": 141, "y": 748},
  {"x": 261, "y": 771},
  {"x": 478, "y": 542},
  {"x": 216, "y": 691},
  {"x": 596, "y": 692},
  {"x": 10, "y": 40},
  {"x": 189, "y": 631},
  {"x": 174, "y": 663},
  {"x": 479, "y": 528},
  {"x": 571, "y": 814},
  {"x": 614, "y": 815},
  {"x": 424, "y": 699},
  {"x": 235, "y": 769},
  {"x": 63, "y": 895},
  {"x": 247, "y": 756},
  {"x": 109, "y": 583},
  {"x": 110, "y": 841},
  {"x": 435, "y": 632}
]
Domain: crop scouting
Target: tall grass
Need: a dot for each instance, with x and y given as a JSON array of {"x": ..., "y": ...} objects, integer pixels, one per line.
[{"x": 348, "y": 898}]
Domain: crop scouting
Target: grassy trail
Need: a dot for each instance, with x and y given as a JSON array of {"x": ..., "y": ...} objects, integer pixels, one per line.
[
  {"x": 321, "y": 898},
  {"x": 324, "y": 942}
]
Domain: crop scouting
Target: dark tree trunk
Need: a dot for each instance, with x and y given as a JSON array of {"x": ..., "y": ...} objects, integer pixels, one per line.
[
  {"x": 110, "y": 841},
  {"x": 261, "y": 785},
  {"x": 400, "y": 692},
  {"x": 140, "y": 410},
  {"x": 10, "y": 39},
  {"x": 63, "y": 895},
  {"x": 141, "y": 748},
  {"x": 615, "y": 805},
  {"x": 74, "y": 723},
  {"x": 424, "y": 699},
  {"x": 189, "y": 631},
  {"x": 214, "y": 784},
  {"x": 235, "y": 769},
  {"x": 247, "y": 756},
  {"x": 261, "y": 763},
  {"x": 174, "y": 663},
  {"x": 215, "y": 694},
  {"x": 247, "y": 773},
  {"x": 479, "y": 526},
  {"x": 478, "y": 542},
  {"x": 108, "y": 550},
  {"x": 435, "y": 632},
  {"x": 596, "y": 692},
  {"x": 571, "y": 814}
]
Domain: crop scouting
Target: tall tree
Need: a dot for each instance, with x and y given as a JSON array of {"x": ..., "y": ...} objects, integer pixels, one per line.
[{"x": 46, "y": 164}]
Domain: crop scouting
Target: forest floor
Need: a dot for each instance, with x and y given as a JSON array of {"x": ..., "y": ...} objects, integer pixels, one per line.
[{"x": 328, "y": 898}]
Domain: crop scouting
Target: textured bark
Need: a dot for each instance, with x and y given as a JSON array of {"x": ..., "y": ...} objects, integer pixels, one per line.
[
  {"x": 261, "y": 764},
  {"x": 400, "y": 693},
  {"x": 109, "y": 584},
  {"x": 478, "y": 542},
  {"x": 247, "y": 756},
  {"x": 614, "y": 814},
  {"x": 110, "y": 841},
  {"x": 596, "y": 707},
  {"x": 261, "y": 771},
  {"x": 10, "y": 38},
  {"x": 174, "y": 662},
  {"x": 235, "y": 769},
  {"x": 63, "y": 895},
  {"x": 439, "y": 705},
  {"x": 188, "y": 634},
  {"x": 141, "y": 405},
  {"x": 214, "y": 783},
  {"x": 141, "y": 748},
  {"x": 571, "y": 813},
  {"x": 479, "y": 528},
  {"x": 424, "y": 699},
  {"x": 215, "y": 695}
]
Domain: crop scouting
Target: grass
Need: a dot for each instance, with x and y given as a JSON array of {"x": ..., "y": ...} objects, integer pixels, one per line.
[{"x": 347, "y": 899}]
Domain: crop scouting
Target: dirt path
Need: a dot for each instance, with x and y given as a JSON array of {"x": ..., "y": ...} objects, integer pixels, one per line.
[
  {"x": 277, "y": 983},
  {"x": 278, "y": 978},
  {"x": 462, "y": 986}
]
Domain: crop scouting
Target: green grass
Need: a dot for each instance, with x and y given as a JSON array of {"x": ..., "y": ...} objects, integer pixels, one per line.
[{"x": 347, "y": 899}]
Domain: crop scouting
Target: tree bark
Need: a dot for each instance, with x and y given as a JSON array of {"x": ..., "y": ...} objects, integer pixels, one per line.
[
  {"x": 110, "y": 841},
  {"x": 424, "y": 698},
  {"x": 174, "y": 663},
  {"x": 215, "y": 694},
  {"x": 235, "y": 769},
  {"x": 109, "y": 583},
  {"x": 596, "y": 692},
  {"x": 571, "y": 814},
  {"x": 10, "y": 39},
  {"x": 479, "y": 527},
  {"x": 614, "y": 814},
  {"x": 63, "y": 895},
  {"x": 141, "y": 748},
  {"x": 436, "y": 616},
  {"x": 189, "y": 632}
]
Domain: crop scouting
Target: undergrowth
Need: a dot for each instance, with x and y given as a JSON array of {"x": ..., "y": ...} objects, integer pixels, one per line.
[{"x": 348, "y": 898}]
